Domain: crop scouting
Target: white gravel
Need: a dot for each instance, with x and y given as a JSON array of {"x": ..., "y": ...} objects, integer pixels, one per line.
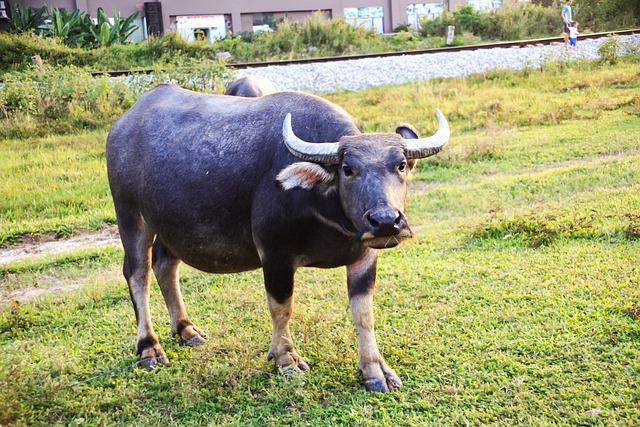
[{"x": 358, "y": 74}]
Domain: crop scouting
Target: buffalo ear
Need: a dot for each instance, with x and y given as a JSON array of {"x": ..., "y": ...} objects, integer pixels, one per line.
[
  {"x": 308, "y": 176},
  {"x": 407, "y": 131}
]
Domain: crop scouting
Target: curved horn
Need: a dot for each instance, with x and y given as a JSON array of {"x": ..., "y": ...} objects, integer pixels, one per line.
[
  {"x": 425, "y": 147},
  {"x": 325, "y": 152}
]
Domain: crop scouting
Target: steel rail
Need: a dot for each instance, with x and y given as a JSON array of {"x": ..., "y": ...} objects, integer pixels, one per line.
[{"x": 510, "y": 44}]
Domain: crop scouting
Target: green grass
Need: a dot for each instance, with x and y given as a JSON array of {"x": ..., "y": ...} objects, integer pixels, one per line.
[
  {"x": 54, "y": 184},
  {"x": 516, "y": 304}
]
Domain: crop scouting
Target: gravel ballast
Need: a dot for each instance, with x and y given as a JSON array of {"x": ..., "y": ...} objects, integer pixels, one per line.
[{"x": 328, "y": 77}]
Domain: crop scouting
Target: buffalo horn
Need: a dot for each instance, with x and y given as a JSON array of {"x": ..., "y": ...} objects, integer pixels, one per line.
[
  {"x": 325, "y": 152},
  {"x": 425, "y": 147}
]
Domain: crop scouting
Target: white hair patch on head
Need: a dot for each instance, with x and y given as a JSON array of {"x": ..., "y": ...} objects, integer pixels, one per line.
[{"x": 306, "y": 175}]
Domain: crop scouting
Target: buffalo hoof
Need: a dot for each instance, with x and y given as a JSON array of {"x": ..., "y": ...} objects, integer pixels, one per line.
[
  {"x": 390, "y": 382},
  {"x": 289, "y": 361},
  {"x": 383, "y": 386},
  {"x": 151, "y": 357},
  {"x": 290, "y": 370},
  {"x": 151, "y": 363},
  {"x": 192, "y": 336},
  {"x": 302, "y": 365}
]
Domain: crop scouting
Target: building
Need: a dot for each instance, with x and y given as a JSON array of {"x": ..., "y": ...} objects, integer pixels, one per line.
[{"x": 213, "y": 19}]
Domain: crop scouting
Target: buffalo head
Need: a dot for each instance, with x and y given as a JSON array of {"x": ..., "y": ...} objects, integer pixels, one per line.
[{"x": 369, "y": 172}]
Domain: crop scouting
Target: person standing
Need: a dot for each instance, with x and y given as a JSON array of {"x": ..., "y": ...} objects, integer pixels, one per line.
[
  {"x": 573, "y": 34},
  {"x": 566, "y": 19}
]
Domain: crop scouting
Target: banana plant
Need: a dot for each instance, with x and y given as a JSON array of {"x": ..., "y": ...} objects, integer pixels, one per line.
[
  {"x": 106, "y": 33},
  {"x": 63, "y": 23},
  {"x": 25, "y": 19},
  {"x": 124, "y": 27},
  {"x": 85, "y": 37}
]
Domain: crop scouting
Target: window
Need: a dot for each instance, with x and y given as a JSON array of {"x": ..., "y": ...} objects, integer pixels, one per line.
[
  {"x": 485, "y": 4},
  {"x": 201, "y": 27},
  {"x": 368, "y": 17},
  {"x": 419, "y": 11},
  {"x": 262, "y": 22}
]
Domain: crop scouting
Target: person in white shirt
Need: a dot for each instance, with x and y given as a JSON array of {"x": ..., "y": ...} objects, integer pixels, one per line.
[{"x": 573, "y": 34}]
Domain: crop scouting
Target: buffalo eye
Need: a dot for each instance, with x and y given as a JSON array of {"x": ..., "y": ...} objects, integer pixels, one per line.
[
  {"x": 346, "y": 169},
  {"x": 402, "y": 166}
]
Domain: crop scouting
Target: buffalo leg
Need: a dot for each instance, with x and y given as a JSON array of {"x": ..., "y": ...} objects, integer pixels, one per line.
[
  {"x": 279, "y": 286},
  {"x": 361, "y": 277},
  {"x": 166, "y": 267},
  {"x": 137, "y": 240}
]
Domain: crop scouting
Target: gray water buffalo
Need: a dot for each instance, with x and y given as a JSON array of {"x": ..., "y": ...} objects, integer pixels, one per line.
[
  {"x": 250, "y": 86},
  {"x": 229, "y": 184}
]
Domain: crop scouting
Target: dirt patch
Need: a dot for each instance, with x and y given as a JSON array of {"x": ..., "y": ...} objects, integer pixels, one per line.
[
  {"x": 33, "y": 247},
  {"x": 40, "y": 245},
  {"x": 27, "y": 294},
  {"x": 50, "y": 284}
]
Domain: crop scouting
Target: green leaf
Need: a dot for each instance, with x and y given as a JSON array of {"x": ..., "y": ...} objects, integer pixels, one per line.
[{"x": 104, "y": 36}]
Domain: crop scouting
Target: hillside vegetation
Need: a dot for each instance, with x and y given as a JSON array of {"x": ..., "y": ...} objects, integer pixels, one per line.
[
  {"x": 75, "y": 40},
  {"x": 516, "y": 304}
]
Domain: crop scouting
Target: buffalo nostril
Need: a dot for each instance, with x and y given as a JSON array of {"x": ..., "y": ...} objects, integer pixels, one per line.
[
  {"x": 384, "y": 219},
  {"x": 373, "y": 221}
]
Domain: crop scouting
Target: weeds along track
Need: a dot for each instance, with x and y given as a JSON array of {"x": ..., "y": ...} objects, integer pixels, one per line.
[{"x": 487, "y": 46}]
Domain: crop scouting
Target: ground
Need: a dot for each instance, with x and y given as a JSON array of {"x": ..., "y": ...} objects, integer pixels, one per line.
[{"x": 48, "y": 244}]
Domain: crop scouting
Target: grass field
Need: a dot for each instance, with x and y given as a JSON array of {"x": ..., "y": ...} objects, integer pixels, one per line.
[{"x": 518, "y": 302}]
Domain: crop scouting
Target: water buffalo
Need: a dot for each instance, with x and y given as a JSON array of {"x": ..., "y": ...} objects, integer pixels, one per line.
[
  {"x": 229, "y": 184},
  {"x": 250, "y": 86}
]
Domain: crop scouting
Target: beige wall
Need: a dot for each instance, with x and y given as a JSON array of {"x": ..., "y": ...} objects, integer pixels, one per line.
[
  {"x": 125, "y": 7},
  {"x": 395, "y": 11}
]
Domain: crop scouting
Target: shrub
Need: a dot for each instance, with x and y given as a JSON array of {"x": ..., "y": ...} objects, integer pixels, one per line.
[
  {"x": 316, "y": 36},
  {"x": 16, "y": 52},
  {"x": 608, "y": 15},
  {"x": 610, "y": 50},
  {"x": 63, "y": 99},
  {"x": 436, "y": 27},
  {"x": 105, "y": 33},
  {"x": 67, "y": 26},
  {"x": 26, "y": 19},
  {"x": 74, "y": 29},
  {"x": 510, "y": 22}
]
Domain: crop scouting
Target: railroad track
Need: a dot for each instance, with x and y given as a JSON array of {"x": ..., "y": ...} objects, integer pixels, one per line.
[{"x": 511, "y": 44}]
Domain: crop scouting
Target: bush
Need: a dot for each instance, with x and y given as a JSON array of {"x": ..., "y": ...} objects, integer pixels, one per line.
[
  {"x": 73, "y": 29},
  {"x": 610, "y": 50},
  {"x": 65, "y": 99},
  {"x": 601, "y": 16},
  {"x": 170, "y": 47},
  {"x": 26, "y": 19},
  {"x": 436, "y": 27},
  {"x": 510, "y": 22},
  {"x": 316, "y": 36},
  {"x": 59, "y": 100},
  {"x": 16, "y": 52}
]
